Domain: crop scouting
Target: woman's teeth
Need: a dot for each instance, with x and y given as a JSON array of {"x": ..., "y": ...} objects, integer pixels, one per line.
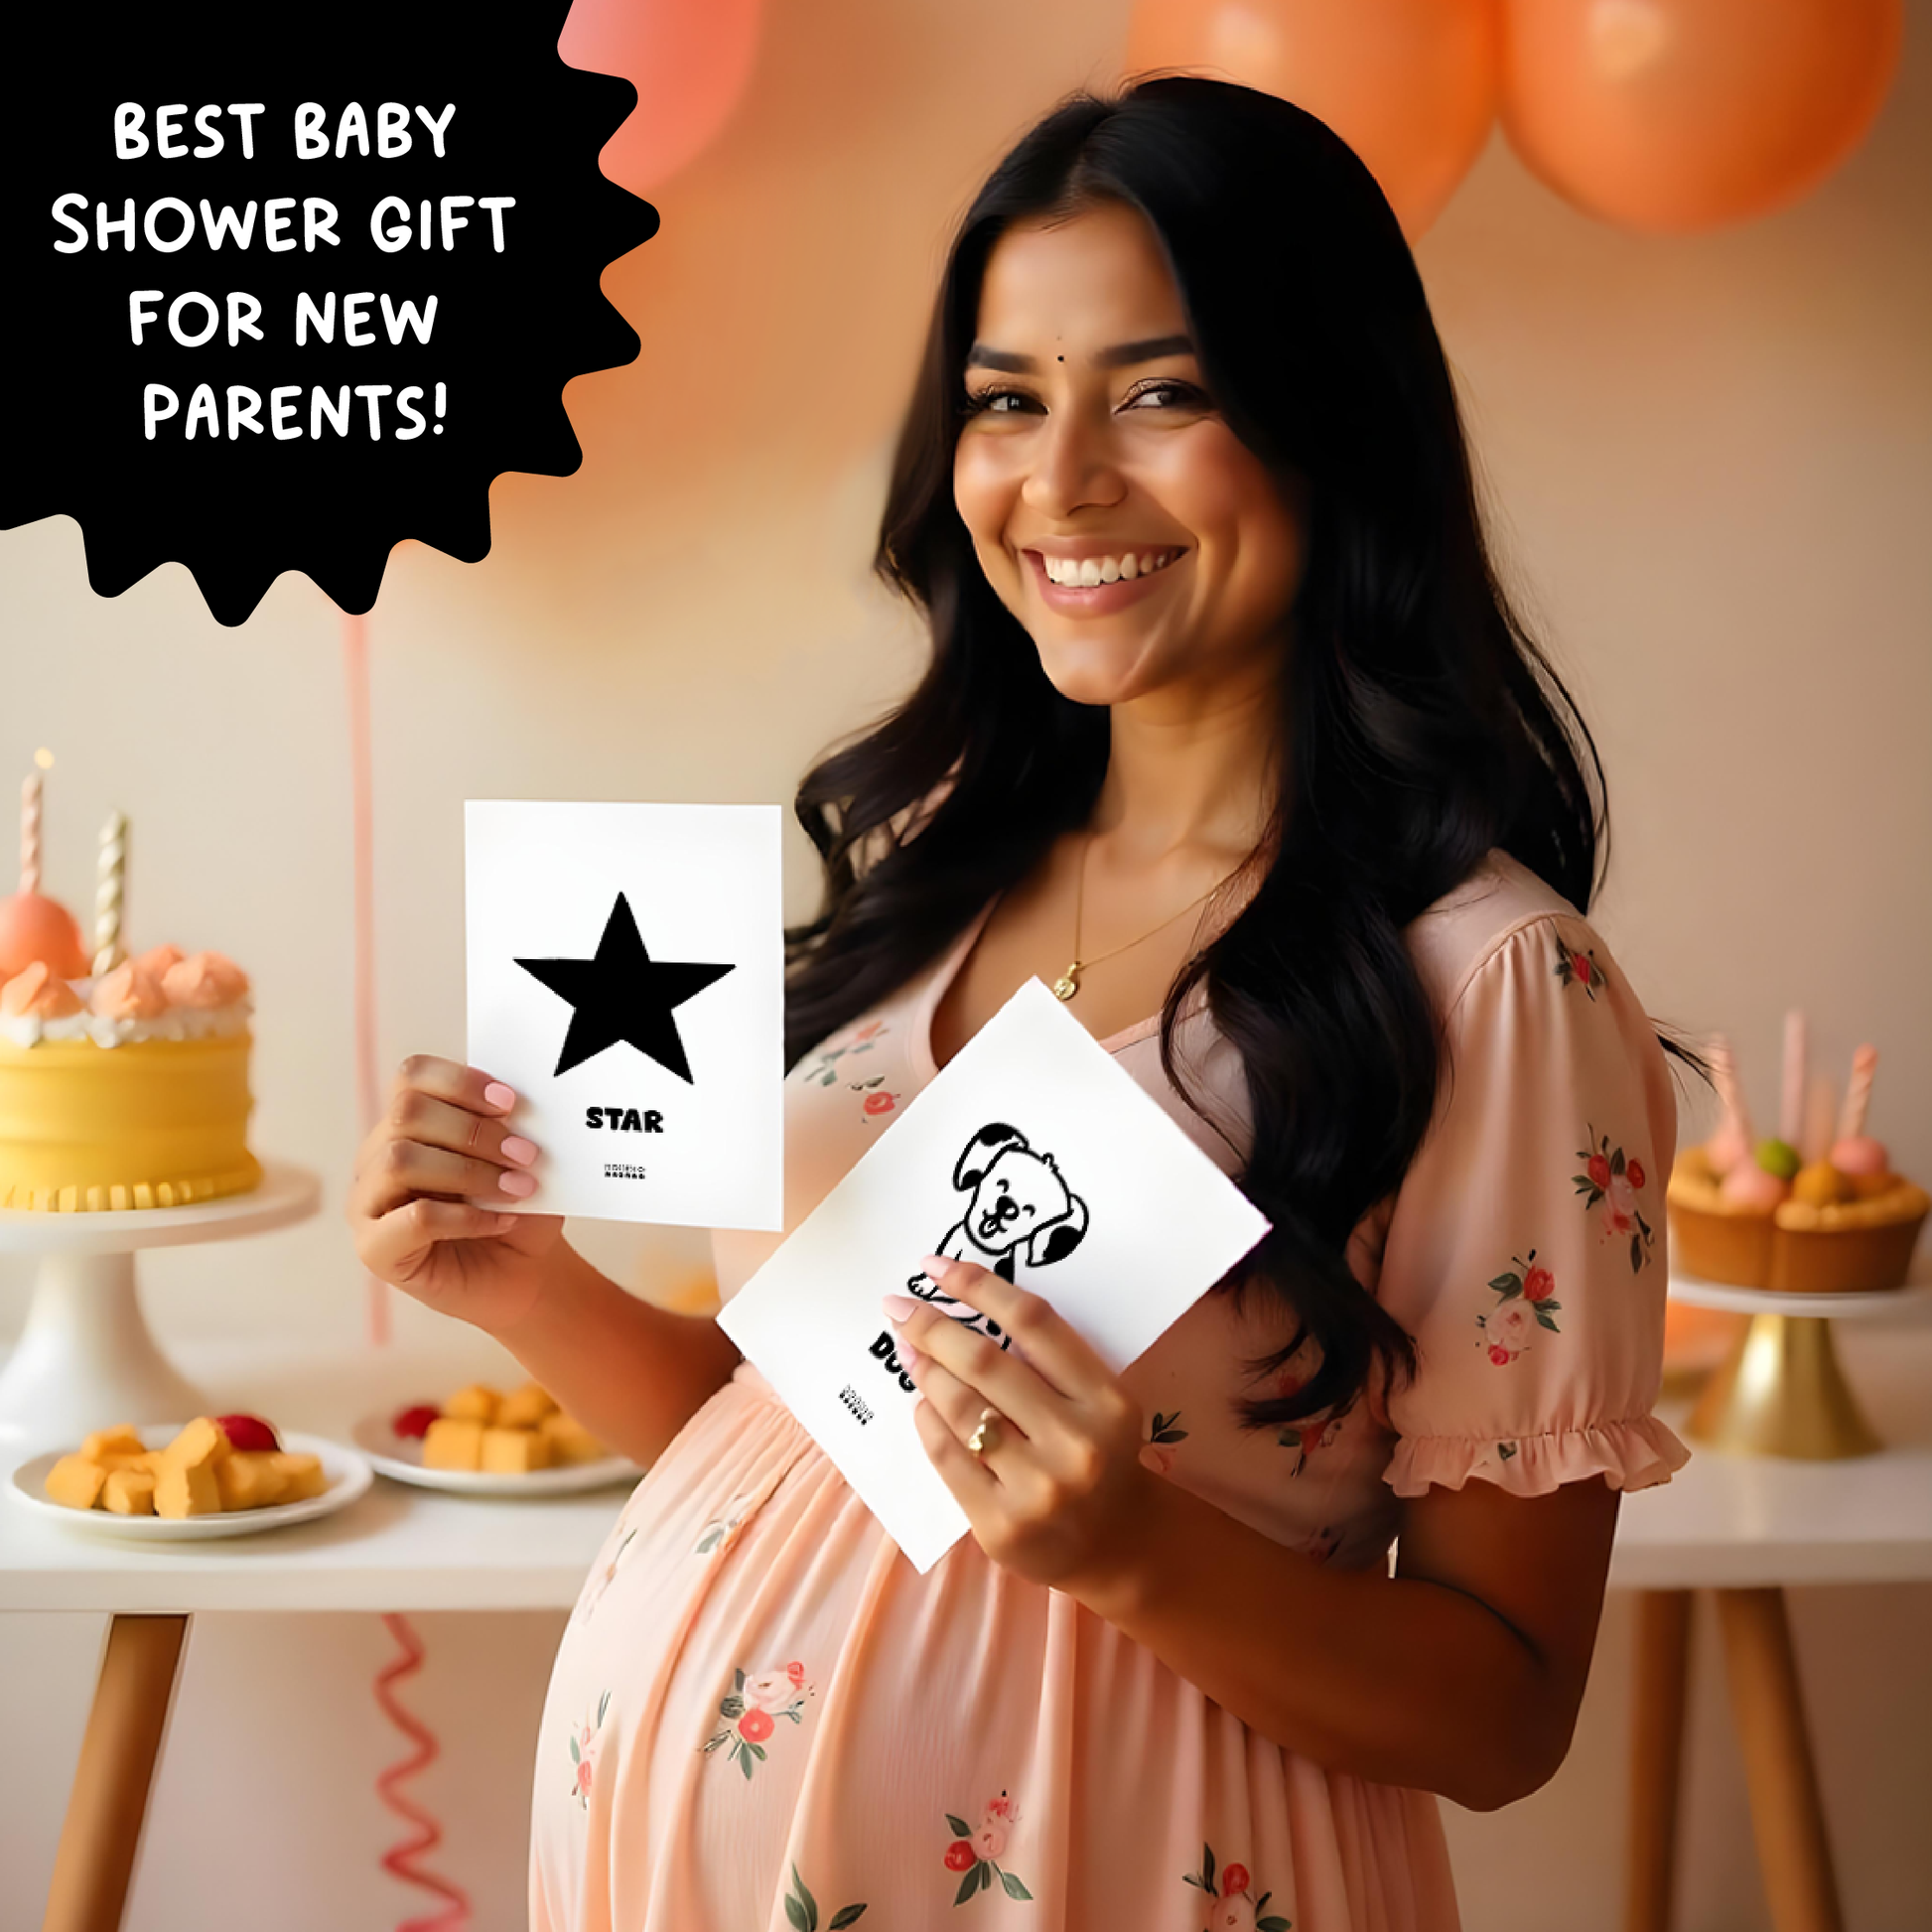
[{"x": 1089, "y": 571}]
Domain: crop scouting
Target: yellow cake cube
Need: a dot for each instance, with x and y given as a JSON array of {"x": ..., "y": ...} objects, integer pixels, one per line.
[
  {"x": 250, "y": 1479},
  {"x": 453, "y": 1442},
  {"x": 112, "y": 1447},
  {"x": 477, "y": 1403},
  {"x": 569, "y": 1440},
  {"x": 199, "y": 1445},
  {"x": 186, "y": 1489},
  {"x": 302, "y": 1476},
  {"x": 524, "y": 1408},
  {"x": 514, "y": 1452},
  {"x": 76, "y": 1481},
  {"x": 128, "y": 1492}
]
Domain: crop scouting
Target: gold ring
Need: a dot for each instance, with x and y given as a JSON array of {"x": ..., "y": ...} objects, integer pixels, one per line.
[{"x": 979, "y": 1441}]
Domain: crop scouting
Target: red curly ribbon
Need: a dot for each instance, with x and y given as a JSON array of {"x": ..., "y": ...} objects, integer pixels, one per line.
[{"x": 401, "y": 1859}]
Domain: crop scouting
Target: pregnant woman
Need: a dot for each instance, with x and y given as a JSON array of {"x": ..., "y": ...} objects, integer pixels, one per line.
[{"x": 1230, "y": 736}]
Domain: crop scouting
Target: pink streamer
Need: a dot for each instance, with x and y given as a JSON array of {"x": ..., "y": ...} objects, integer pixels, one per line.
[
  {"x": 401, "y": 1859},
  {"x": 356, "y": 669}
]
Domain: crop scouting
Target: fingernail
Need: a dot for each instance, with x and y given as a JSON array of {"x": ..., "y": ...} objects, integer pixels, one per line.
[
  {"x": 500, "y": 1096},
  {"x": 898, "y": 1306},
  {"x": 518, "y": 1184},
  {"x": 935, "y": 1267},
  {"x": 517, "y": 1148},
  {"x": 910, "y": 1358}
]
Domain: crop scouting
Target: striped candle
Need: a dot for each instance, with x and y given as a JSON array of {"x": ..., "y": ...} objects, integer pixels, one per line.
[{"x": 110, "y": 895}]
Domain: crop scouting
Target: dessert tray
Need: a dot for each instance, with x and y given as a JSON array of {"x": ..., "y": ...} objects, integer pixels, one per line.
[
  {"x": 400, "y": 1459},
  {"x": 349, "y": 1476}
]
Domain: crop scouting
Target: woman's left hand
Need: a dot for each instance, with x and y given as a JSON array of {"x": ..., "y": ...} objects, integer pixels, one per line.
[{"x": 1061, "y": 1490}]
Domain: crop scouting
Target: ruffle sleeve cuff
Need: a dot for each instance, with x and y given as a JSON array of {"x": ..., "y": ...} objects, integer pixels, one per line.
[{"x": 1631, "y": 1454}]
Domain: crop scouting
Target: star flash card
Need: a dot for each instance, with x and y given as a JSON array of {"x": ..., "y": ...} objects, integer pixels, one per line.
[
  {"x": 626, "y": 979},
  {"x": 1036, "y": 1155}
]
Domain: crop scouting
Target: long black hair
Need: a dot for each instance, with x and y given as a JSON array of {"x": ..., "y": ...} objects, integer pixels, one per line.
[{"x": 1422, "y": 722}]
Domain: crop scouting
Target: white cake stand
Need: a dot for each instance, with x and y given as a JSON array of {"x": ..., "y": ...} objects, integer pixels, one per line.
[
  {"x": 85, "y": 1359},
  {"x": 1780, "y": 1390}
]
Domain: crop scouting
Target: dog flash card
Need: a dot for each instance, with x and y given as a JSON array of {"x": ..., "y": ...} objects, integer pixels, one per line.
[
  {"x": 627, "y": 978},
  {"x": 1032, "y": 1154}
]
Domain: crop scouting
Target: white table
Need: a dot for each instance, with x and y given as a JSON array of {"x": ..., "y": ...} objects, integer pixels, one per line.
[{"x": 1745, "y": 1528}]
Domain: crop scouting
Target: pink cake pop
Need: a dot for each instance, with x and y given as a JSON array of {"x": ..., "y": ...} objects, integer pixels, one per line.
[
  {"x": 1730, "y": 1145},
  {"x": 1854, "y": 1152}
]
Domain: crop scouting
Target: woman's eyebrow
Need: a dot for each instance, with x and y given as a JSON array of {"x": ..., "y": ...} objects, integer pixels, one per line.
[{"x": 1120, "y": 356}]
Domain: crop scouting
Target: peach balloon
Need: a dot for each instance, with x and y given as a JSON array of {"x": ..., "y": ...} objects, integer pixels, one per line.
[
  {"x": 34, "y": 927},
  {"x": 689, "y": 60},
  {"x": 1410, "y": 84},
  {"x": 1675, "y": 115}
]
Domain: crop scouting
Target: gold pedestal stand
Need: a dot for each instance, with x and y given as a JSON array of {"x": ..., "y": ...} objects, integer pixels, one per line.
[{"x": 1780, "y": 1390}]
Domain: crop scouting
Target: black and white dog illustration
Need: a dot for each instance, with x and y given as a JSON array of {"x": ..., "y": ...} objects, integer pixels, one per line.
[{"x": 1020, "y": 1208}]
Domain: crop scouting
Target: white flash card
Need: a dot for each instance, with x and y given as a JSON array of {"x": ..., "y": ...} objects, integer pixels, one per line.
[
  {"x": 1032, "y": 1154},
  {"x": 627, "y": 978}
]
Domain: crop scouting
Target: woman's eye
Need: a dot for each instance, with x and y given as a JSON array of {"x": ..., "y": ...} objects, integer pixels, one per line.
[
  {"x": 986, "y": 402},
  {"x": 1185, "y": 394}
]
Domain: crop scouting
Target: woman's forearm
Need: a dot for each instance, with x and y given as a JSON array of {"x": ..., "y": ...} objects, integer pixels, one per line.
[
  {"x": 1401, "y": 1681},
  {"x": 631, "y": 1373}
]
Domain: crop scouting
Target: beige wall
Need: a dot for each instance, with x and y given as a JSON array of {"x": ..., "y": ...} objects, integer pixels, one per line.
[{"x": 1711, "y": 463}]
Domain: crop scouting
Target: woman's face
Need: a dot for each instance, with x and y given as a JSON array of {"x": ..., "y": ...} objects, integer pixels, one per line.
[{"x": 1093, "y": 449}]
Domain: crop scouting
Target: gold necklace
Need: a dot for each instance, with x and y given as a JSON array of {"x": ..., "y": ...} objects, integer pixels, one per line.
[{"x": 1069, "y": 983}]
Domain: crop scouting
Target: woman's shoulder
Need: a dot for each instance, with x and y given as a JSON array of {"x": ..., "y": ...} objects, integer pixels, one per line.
[{"x": 1500, "y": 902}]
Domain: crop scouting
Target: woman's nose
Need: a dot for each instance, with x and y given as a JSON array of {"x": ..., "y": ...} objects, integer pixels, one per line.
[{"x": 1072, "y": 467}]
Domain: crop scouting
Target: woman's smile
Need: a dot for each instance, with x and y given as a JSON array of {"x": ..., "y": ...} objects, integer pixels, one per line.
[{"x": 1099, "y": 585}]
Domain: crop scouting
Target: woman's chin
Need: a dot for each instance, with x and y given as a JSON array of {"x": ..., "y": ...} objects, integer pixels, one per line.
[{"x": 1094, "y": 673}]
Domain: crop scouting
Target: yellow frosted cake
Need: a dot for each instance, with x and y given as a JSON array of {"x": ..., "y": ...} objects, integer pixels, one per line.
[{"x": 123, "y": 1084}]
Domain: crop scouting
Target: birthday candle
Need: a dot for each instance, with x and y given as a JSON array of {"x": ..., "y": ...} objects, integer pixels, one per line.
[
  {"x": 1858, "y": 1096},
  {"x": 1791, "y": 1114},
  {"x": 30, "y": 833},
  {"x": 110, "y": 895}
]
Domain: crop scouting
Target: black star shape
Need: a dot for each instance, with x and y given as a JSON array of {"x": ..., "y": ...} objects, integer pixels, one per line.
[{"x": 623, "y": 994}]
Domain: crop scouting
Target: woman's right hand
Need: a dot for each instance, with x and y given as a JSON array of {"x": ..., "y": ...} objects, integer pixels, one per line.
[{"x": 426, "y": 1205}]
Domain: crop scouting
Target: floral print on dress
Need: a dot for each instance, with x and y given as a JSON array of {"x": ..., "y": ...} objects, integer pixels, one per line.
[
  {"x": 752, "y": 1710},
  {"x": 823, "y": 1069},
  {"x": 1231, "y": 1907},
  {"x": 801, "y": 1908},
  {"x": 1608, "y": 1176},
  {"x": 602, "y": 1579},
  {"x": 975, "y": 1852},
  {"x": 1156, "y": 1452},
  {"x": 1527, "y": 1302},
  {"x": 1578, "y": 968},
  {"x": 719, "y": 1528},
  {"x": 582, "y": 1754},
  {"x": 1309, "y": 1434},
  {"x": 1323, "y": 1544}
]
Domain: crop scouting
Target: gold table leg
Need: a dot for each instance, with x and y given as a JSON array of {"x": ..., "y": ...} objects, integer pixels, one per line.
[
  {"x": 1787, "y": 1820},
  {"x": 118, "y": 1752},
  {"x": 1663, "y": 1663}
]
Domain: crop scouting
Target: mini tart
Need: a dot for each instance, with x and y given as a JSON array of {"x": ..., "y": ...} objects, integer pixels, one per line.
[{"x": 1852, "y": 1247}]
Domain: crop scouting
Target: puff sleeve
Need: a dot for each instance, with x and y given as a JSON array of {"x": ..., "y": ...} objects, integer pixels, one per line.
[{"x": 1525, "y": 1252}]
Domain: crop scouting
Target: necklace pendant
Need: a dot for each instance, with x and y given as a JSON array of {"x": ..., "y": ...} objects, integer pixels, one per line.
[{"x": 1066, "y": 985}]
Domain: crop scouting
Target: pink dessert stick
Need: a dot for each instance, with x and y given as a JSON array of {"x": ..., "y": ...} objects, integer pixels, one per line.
[
  {"x": 1791, "y": 1112},
  {"x": 1858, "y": 1096},
  {"x": 1731, "y": 1144}
]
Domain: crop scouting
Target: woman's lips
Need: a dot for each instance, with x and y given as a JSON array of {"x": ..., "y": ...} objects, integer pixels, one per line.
[{"x": 1097, "y": 599}]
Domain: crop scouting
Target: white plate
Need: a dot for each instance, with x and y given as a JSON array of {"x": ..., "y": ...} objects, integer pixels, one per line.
[
  {"x": 400, "y": 1458},
  {"x": 349, "y": 1476}
]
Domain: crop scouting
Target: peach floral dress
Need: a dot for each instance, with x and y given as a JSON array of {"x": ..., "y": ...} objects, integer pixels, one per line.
[{"x": 763, "y": 1717}]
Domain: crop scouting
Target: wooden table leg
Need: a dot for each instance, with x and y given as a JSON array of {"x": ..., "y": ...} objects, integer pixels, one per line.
[
  {"x": 1663, "y": 1663},
  {"x": 103, "y": 1829},
  {"x": 1787, "y": 1821}
]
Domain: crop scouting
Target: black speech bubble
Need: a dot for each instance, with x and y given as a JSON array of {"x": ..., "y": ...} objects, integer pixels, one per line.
[{"x": 510, "y": 328}]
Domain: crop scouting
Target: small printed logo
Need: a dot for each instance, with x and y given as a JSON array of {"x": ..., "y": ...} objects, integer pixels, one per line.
[{"x": 622, "y": 1170}]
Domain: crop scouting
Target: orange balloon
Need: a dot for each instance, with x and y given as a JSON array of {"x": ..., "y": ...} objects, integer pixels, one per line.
[
  {"x": 1674, "y": 115},
  {"x": 689, "y": 60},
  {"x": 1410, "y": 84}
]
